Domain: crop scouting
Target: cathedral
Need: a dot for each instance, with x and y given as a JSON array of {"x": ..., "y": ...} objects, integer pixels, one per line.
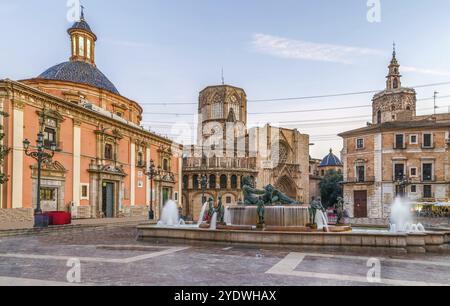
[{"x": 227, "y": 151}]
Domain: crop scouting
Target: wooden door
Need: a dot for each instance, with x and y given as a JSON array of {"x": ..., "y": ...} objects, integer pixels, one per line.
[{"x": 360, "y": 204}]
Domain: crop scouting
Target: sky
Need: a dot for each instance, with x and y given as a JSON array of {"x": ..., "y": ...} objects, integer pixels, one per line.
[{"x": 167, "y": 51}]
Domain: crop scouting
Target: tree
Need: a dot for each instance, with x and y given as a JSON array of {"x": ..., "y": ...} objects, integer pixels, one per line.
[
  {"x": 3, "y": 152},
  {"x": 331, "y": 188}
]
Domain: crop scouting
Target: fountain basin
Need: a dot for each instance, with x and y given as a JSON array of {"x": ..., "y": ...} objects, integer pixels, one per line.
[
  {"x": 396, "y": 243},
  {"x": 281, "y": 216}
]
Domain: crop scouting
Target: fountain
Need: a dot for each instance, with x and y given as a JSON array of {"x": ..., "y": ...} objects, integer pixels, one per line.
[
  {"x": 402, "y": 218},
  {"x": 170, "y": 215},
  {"x": 269, "y": 218}
]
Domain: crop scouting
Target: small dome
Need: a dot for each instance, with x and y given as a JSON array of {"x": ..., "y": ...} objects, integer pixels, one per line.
[
  {"x": 79, "y": 72},
  {"x": 331, "y": 160}
]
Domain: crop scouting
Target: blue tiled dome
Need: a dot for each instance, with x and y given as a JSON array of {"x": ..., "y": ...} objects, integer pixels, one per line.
[
  {"x": 79, "y": 72},
  {"x": 331, "y": 160}
]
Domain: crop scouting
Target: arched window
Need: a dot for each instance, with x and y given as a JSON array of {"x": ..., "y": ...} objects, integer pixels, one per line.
[
  {"x": 395, "y": 83},
  {"x": 379, "y": 117},
  {"x": 212, "y": 182},
  {"x": 234, "y": 182},
  {"x": 185, "y": 182},
  {"x": 195, "y": 182},
  {"x": 223, "y": 182}
]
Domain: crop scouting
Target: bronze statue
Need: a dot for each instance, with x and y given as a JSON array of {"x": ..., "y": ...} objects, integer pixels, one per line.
[
  {"x": 269, "y": 195},
  {"x": 261, "y": 210},
  {"x": 340, "y": 210},
  {"x": 316, "y": 205}
]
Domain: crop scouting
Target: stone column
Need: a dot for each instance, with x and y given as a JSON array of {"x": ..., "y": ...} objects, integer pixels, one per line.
[
  {"x": 148, "y": 157},
  {"x": 133, "y": 173},
  {"x": 180, "y": 181},
  {"x": 76, "y": 162},
  {"x": 18, "y": 154}
]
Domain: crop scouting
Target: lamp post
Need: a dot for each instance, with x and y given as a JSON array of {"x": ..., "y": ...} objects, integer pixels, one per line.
[
  {"x": 152, "y": 173},
  {"x": 41, "y": 156}
]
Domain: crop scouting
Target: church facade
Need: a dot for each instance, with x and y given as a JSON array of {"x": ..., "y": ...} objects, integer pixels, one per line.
[
  {"x": 227, "y": 151},
  {"x": 399, "y": 154},
  {"x": 102, "y": 153}
]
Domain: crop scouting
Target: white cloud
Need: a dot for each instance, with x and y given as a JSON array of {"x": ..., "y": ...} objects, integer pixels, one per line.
[
  {"x": 304, "y": 50},
  {"x": 434, "y": 72}
]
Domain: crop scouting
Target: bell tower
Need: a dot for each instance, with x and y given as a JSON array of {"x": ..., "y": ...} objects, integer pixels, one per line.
[{"x": 395, "y": 103}]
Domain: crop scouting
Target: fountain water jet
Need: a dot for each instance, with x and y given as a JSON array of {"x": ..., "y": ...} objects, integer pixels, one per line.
[
  {"x": 170, "y": 215},
  {"x": 402, "y": 218}
]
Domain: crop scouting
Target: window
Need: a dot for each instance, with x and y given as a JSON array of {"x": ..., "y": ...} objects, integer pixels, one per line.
[
  {"x": 74, "y": 45},
  {"x": 360, "y": 143},
  {"x": 413, "y": 172},
  {"x": 413, "y": 139},
  {"x": 322, "y": 172},
  {"x": 395, "y": 83},
  {"x": 234, "y": 182},
  {"x": 427, "y": 191},
  {"x": 140, "y": 159},
  {"x": 48, "y": 194},
  {"x": 228, "y": 200},
  {"x": 185, "y": 182},
  {"x": 413, "y": 189},
  {"x": 81, "y": 46},
  {"x": 361, "y": 173},
  {"x": 399, "y": 141},
  {"x": 427, "y": 140},
  {"x": 140, "y": 184},
  {"x": 108, "y": 151},
  {"x": 176, "y": 196},
  {"x": 399, "y": 172},
  {"x": 427, "y": 172},
  {"x": 223, "y": 182},
  {"x": 195, "y": 182},
  {"x": 379, "y": 117},
  {"x": 49, "y": 137},
  {"x": 88, "y": 48},
  {"x": 84, "y": 192},
  {"x": 165, "y": 165},
  {"x": 212, "y": 182}
]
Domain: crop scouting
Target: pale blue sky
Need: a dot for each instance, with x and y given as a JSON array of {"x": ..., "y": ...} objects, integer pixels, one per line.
[{"x": 168, "y": 50}]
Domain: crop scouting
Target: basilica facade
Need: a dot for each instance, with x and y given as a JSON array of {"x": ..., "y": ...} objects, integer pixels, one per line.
[{"x": 102, "y": 152}]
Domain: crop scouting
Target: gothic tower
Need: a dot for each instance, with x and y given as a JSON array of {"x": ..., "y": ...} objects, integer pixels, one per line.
[
  {"x": 395, "y": 102},
  {"x": 219, "y": 105}
]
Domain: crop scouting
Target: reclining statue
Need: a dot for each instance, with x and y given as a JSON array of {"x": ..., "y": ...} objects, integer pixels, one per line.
[{"x": 269, "y": 195}]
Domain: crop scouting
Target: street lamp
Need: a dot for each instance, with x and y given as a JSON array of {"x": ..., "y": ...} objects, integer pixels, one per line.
[
  {"x": 41, "y": 156},
  {"x": 152, "y": 174}
]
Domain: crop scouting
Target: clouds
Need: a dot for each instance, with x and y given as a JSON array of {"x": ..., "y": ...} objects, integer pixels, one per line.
[
  {"x": 434, "y": 72},
  {"x": 303, "y": 50}
]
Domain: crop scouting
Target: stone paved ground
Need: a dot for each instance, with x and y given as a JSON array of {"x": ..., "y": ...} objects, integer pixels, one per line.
[
  {"x": 29, "y": 225},
  {"x": 112, "y": 256}
]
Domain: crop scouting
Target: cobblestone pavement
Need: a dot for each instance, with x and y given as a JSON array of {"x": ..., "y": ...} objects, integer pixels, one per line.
[{"x": 112, "y": 256}]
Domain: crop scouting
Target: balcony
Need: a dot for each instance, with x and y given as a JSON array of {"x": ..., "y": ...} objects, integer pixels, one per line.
[
  {"x": 428, "y": 178},
  {"x": 195, "y": 163},
  {"x": 366, "y": 180}
]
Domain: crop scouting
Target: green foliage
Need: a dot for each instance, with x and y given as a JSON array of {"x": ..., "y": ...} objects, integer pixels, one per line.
[
  {"x": 331, "y": 188},
  {"x": 3, "y": 152}
]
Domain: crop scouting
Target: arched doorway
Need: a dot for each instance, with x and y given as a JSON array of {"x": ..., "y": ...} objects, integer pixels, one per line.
[{"x": 287, "y": 186}]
